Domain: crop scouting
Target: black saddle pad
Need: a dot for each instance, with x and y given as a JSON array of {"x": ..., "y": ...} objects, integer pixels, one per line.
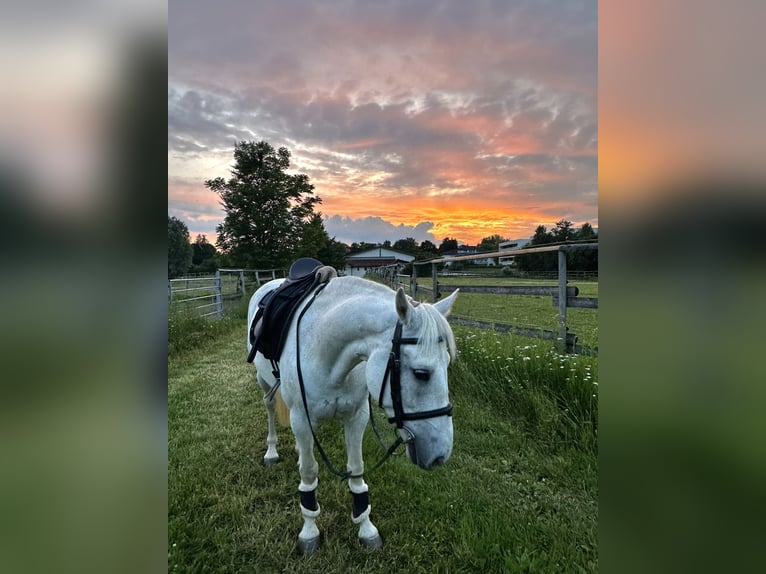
[{"x": 271, "y": 323}]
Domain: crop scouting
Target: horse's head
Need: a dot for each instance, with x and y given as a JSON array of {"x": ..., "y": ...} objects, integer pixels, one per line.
[{"x": 424, "y": 355}]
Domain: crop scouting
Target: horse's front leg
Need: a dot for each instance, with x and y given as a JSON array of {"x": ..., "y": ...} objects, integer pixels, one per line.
[
  {"x": 354, "y": 431},
  {"x": 308, "y": 538}
]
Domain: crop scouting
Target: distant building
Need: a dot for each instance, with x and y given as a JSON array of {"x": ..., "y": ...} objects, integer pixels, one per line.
[
  {"x": 510, "y": 245},
  {"x": 361, "y": 263},
  {"x": 468, "y": 250}
]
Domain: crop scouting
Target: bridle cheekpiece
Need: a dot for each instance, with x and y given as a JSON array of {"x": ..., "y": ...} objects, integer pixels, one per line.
[{"x": 394, "y": 370}]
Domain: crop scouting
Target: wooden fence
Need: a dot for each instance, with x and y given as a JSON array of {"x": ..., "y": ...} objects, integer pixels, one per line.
[{"x": 562, "y": 296}]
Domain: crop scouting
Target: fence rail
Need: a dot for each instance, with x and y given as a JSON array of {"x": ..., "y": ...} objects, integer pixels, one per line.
[
  {"x": 562, "y": 296},
  {"x": 190, "y": 293}
]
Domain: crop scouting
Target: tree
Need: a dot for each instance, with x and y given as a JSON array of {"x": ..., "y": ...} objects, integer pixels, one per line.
[
  {"x": 447, "y": 244},
  {"x": 428, "y": 249},
  {"x": 316, "y": 243},
  {"x": 541, "y": 236},
  {"x": 408, "y": 245},
  {"x": 563, "y": 231},
  {"x": 203, "y": 255},
  {"x": 586, "y": 232},
  {"x": 537, "y": 262},
  {"x": 584, "y": 260},
  {"x": 491, "y": 243},
  {"x": 334, "y": 254},
  {"x": 267, "y": 209},
  {"x": 179, "y": 248}
]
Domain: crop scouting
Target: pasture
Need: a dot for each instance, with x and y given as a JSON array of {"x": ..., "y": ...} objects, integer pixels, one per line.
[{"x": 519, "y": 493}]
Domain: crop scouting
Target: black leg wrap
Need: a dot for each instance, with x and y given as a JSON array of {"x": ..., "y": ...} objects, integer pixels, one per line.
[
  {"x": 309, "y": 500},
  {"x": 361, "y": 502}
]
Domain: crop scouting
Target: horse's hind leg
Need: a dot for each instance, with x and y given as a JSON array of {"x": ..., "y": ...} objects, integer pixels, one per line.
[
  {"x": 354, "y": 431},
  {"x": 271, "y": 456},
  {"x": 308, "y": 538}
]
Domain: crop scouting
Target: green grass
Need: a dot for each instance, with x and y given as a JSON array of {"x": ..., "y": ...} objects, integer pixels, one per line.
[{"x": 519, "y": 493}]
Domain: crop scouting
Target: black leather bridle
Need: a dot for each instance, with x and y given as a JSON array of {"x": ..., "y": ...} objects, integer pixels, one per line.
[{"x": 393, "y": 373}]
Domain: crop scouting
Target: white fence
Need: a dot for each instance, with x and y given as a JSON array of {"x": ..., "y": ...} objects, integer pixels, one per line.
[{"x": 208, "y": 295}]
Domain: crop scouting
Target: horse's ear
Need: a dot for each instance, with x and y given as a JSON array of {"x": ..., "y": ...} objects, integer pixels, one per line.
[
  {"x": 403, "y": 307},
  {"x": 445, "y": 305}
]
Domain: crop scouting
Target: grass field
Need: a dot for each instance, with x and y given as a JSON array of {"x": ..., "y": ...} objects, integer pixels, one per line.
[{"x": 518, "y": 495}]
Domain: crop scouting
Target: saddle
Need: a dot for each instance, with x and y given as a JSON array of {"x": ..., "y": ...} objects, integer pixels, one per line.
[{"x": 268, "y": 330}]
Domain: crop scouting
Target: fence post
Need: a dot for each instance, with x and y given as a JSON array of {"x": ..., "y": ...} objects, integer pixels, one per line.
[
  {"x": 242, "y": 282},
  {"x": 562, "y": 340},
  {"x": 414, "y": 282},
  {"x": 273, "y": 274},
  {"x": 436, "y": 282},
  {"x": 218, "y": 294},
  {"x": 170, "y": 292}
]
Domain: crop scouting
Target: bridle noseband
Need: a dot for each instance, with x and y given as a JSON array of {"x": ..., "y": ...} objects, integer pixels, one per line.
[{"x": 394, "y": 368}]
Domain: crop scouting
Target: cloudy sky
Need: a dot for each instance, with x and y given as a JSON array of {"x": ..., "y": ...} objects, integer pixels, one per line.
[{"x": 425, "y": 119}]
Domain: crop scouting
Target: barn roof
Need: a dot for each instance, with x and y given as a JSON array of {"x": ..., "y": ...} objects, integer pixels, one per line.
[{"x": 372, "y": 261}]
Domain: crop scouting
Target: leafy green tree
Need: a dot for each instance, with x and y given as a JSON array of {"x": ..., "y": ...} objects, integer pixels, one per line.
[
  {"x": 267, "y": 209},
  {"x": 491, "y": 243},
  {"x": 586, "y": 232},
  {"x": 537, "y": 262},
  {"x": 203, "y": 255},
  {"x": 563, "y": 231},
  {"x": 179, "y": 248},
  {"x": 428, "y": 249},
  {"x": 334, "y": 253},
  {"x": 447, "y": 244},
  {"x": 408, "y": 245},
  {"x": 316, "y": 243},
  {"x": 584, "y": 260},
  {"x": 541, "y": 236}
]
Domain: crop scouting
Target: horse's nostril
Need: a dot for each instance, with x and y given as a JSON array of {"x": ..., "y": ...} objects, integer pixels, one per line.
[{"x": 438, "y": 461}]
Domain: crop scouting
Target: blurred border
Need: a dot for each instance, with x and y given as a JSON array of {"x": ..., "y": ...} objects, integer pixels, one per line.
[
  {"x": 83, "y": 429},
  {"x": 682, "y": 278}
]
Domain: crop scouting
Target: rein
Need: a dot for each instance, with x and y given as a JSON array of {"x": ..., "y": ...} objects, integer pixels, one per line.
[{"x": 393, "y": 368}]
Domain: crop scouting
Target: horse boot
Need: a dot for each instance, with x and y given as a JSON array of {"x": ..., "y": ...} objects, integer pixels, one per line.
[
  {"x": 308, "y": 538},
  {"x": 368, "y": 533}
]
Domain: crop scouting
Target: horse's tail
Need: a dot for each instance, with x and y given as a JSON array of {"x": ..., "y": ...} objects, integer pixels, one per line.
[{"x": 283, "y": 413}]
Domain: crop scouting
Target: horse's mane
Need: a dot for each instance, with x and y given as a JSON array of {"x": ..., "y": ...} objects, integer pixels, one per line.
[
  {"x": 433, "y": 328},
  {"x": 433, "y": 325}
]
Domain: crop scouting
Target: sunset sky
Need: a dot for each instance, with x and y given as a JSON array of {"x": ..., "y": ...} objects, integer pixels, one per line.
[{"x": 425, "y": 119}]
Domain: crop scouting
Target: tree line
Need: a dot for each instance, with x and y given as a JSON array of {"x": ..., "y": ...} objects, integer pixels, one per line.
[
  {"x": 586, "y": 260},
  {"x": 271, "y": 219}
]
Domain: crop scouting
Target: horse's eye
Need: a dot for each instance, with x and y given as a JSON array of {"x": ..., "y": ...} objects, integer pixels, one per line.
[{"x": 422, "y": 374}]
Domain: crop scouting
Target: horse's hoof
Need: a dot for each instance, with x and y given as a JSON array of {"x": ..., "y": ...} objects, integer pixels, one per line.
[
  {"x": 270, "y": 461},
  {"x": 373, "y": 543},
  {"x": 309, "y": 546}
]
